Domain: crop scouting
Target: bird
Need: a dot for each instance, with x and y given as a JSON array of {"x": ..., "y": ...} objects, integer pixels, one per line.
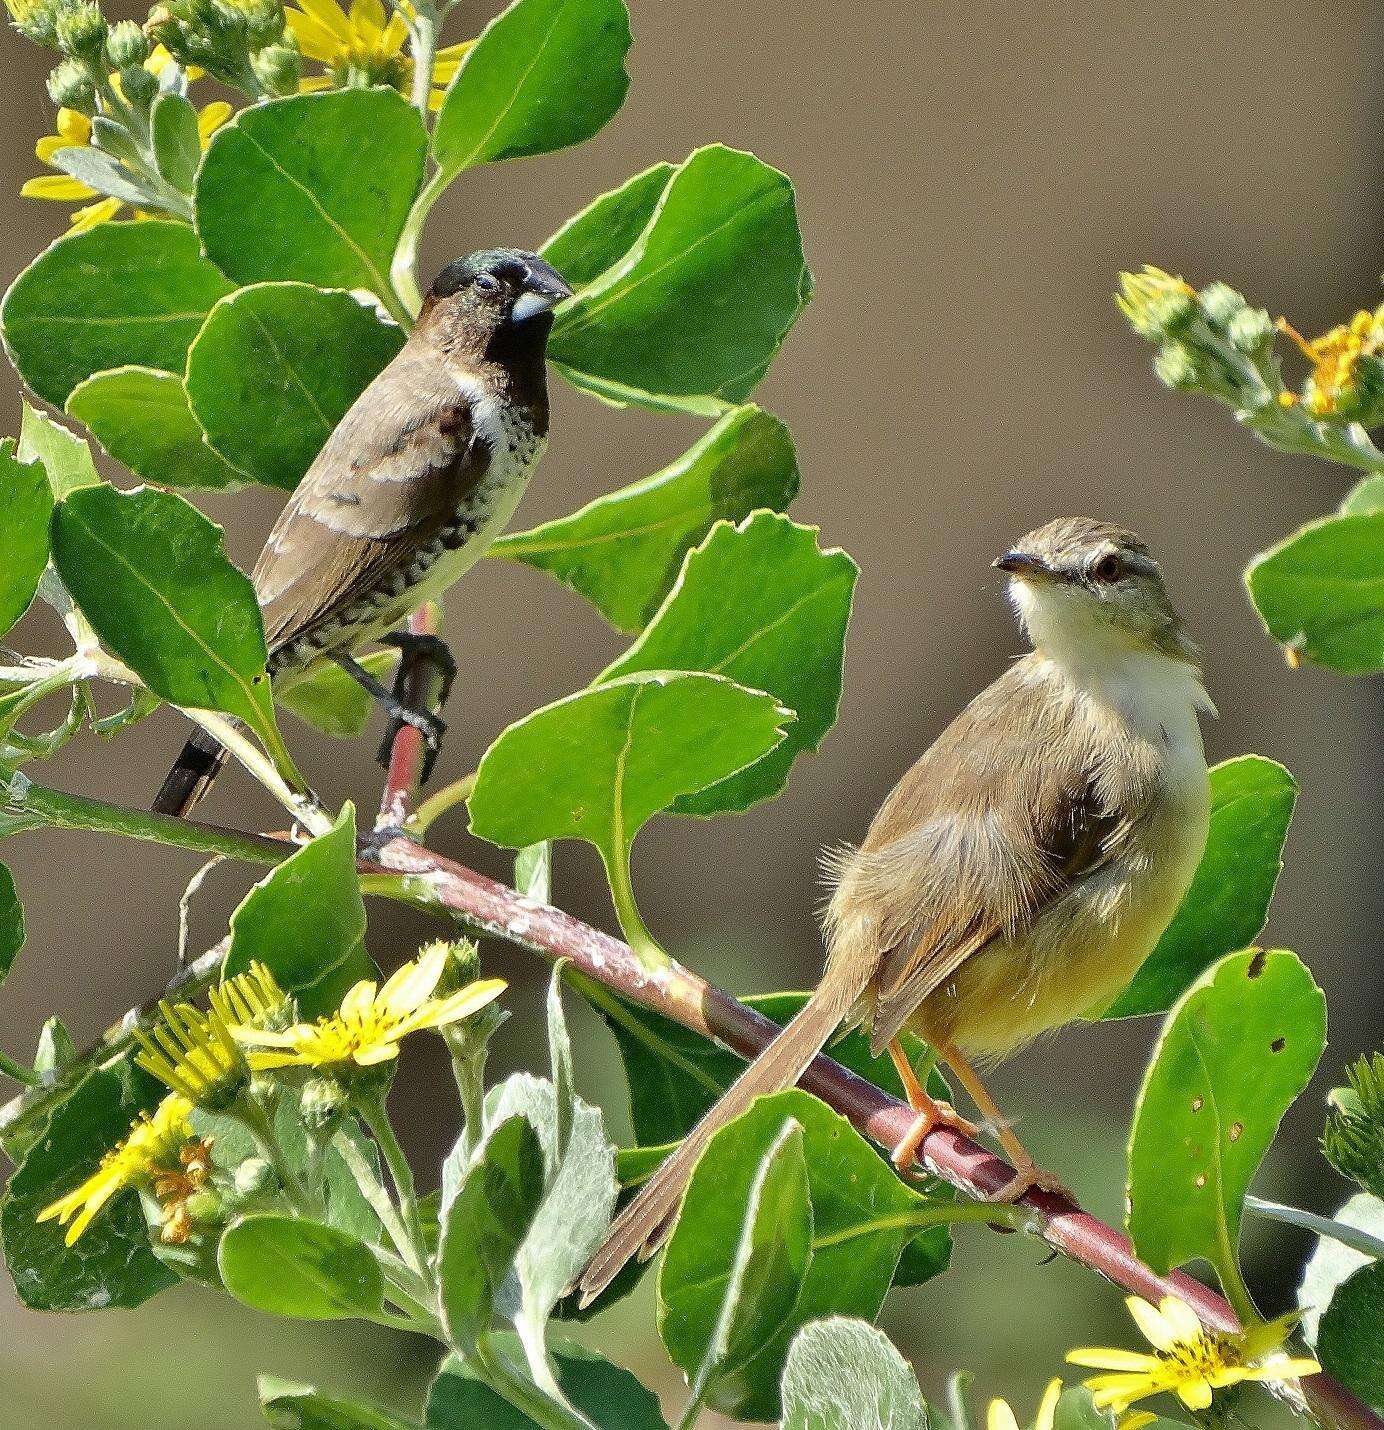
[
  {"x": 1020, "y": 871},
  {"x": 420, "y": 475}
]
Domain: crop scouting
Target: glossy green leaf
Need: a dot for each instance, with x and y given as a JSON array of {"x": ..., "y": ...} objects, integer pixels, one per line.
[
  {"x": 624, "y": 551},
  {"x": 65, "y": 457},
  {"x": 733, "y": 1271},
  {"x": 149, "y": 573},
  {"x": 1350, "y": 1339},
  {"x": 1227, "y": 905},
  {"x": 116, "y": 295},
  {"x": 1366, "y": 496},
  {"x": 484, "y": 1226},
  {"x": 327, "y": 180},
  {"x": 760, "y": 604},
  {"x": 693, "y": 314},
  {"x": 275, "y": 369},
  {"x": 1333, "y": 1262},
  {"x": 542, "y": 75},
  {"x": 111, "y": 1264},
  {"x": 26, "y": 507},
  {"x": 290, "y": 1267},
  {"x": 142, "y": 419},
  {"x": 1320, "y": 593},
  {"x": 843, "y": 1374},
  {"x": 1236, "y": 1050},
  {"x": 331, "y": 701},
  {"x": 605, "y": 230},
  {"x": 299, "y": 1407},
  {"x": 11, "y": 922},
  {"x": 597, "y": 765},
  {"x": 607, "y": 1395},
  {"x": 176, "y": 139},
  {"x": 305, "y": 921},
  {"x": 863, "y": 1215}
]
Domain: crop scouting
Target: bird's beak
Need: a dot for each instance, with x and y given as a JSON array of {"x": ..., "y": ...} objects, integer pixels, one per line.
[
  {"x": 544, "y": 289},
  {"x": 1024, "y": 566}
]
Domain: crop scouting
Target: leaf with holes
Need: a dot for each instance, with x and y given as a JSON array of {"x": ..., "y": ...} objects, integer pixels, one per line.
[
  {"x": 1237, "y": 1049},
  {"x": 1225, "y": 909},
  {"x": 275, "y": 369},
  {"x": 26, "y": 508},
  {"x": 315, "y": 187},
  {"x": 624, "y": 550},
  {"x": 65, "y": 457},
  {"x": 762, "y": 605}
]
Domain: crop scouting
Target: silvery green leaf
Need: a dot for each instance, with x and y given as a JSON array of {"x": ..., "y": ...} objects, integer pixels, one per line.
[
  {"x": 103, "y": 173},
  {"x": 1333, "y": 1262},
  {"x": 533, "y": 871},
  {"x": 844, "y": 1375},
  {"x": 560, "y": 1059}
]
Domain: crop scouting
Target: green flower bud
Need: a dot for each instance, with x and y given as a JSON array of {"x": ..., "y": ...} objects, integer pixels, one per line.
[
  {"x": 71, "y": 87},
  {"x": 206, "y": 1208},
  {"x": 255, "y": 1177},
  {"x": 138, "y": 85},
  {"x": 81, "y": 31},
  {"x": 36, "y": 20},
  {"x": 1157, "y": 304},
  {"x": 264, "y": 21},
  {"x": 1221, "y": 303},
  {"x": 1177, "y": 367},
  {"x": 126, "y": 45},
  {"x": 321, "y": 1104},
  {"x": 1251, "y": 330},
  {"x": 278, "y": 68}
]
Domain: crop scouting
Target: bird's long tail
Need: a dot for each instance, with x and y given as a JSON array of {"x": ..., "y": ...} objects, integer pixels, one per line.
[
  {"x": 191, "y": 776},
  {"x": 644, "y": 1224}
]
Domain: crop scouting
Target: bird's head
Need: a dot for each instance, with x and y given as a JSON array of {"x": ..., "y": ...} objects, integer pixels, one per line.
[
  {"x": 1085, "y": 587},
  {"x": 496, "y": 297}
]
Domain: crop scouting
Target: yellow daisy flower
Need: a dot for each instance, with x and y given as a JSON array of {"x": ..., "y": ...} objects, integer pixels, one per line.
[
  {"x": 149, "y": 1152},
  {"x": 1188, "y": 1360},
  {"x": 364, "y": 45},
  {"x": 74, "y": 132},
  {"x": 999, "y": 1416},
  {"x": 1335, "y": 356},
  {"x": 370, "y": 1024}
]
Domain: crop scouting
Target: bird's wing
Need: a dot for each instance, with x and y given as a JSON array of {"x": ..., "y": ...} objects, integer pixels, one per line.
[
  {"x": 1014, "y": 804},
  {"x": 388, "y": 480}
]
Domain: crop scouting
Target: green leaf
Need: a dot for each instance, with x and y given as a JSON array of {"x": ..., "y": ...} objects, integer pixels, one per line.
[
  {"x": 693, "y": 314},
  {"x": 542, "y": 75},
  {"x": 533, "y": 872},
  {"x": 116, "y": 295},
  {"x": 305, "y": 921},
  {"x": 142, "y": 419},
  {"x": 1227, "y": 905},
  {"x": 845, "y": 1375},
  {"x": 760, "y": 604},
  {"x": 1349, "y": 1343},
  {"x": 11, "y": 923},
  {"x": 286, "y": 1266},
  {"x": 1366, "y": 496},
  {"x": 1333, "y": 1262},
  {"x": 177, "y": 141},
  {"x": 275, "y": 369},
  {"x": 330, "y": 178},
  {"x": 597, "y": 765},
  {"x": 111, "y": 1264},
  {"x": 1237, "y": 1049},
  {"x": 484, "y": 1226},
  {"x": 605, "y": 230},
  {"x": 732, "y": 1272},
  {"x": 564, "y": 1073},
  {"x": 149, "y": 573},
  {"x": 1076, "y": 1410},
  {"x": 56, "y": 1051},
  {"x": 863, "y": 1215},
  {"x": 26, "y": 507},
  {"x": 609, "y": 1396},
  {"x": 299, "y": 1407},
  {"x": 1320, "y": 593},
  {"x": 331, "y": 701},
  {"x": 65, "y": 457},
  {"x": 624, "y": 550}
]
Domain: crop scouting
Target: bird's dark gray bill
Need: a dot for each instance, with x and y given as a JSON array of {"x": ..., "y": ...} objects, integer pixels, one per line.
[
  {"x": 1020, "y": 563},
  {"x": 544, "y": 289}
]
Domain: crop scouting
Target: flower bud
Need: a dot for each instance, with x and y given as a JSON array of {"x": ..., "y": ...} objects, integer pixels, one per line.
[
  {"x": 321, "y": 1103},
  {"x": 278, "y": 68},
  {"x": 81, "y": 31},
  {"x": 126, "y": 45},
  {"x": 254, "y": 1177},
  {"x": 205, "y": 1207},
  {"x": 71, "y": 87},
  {"x": 1221, "y": 303},
  {"x": 264, "y": 21},
  {"x": 1176, "y": 366},
  {"x": 36, "y": 20},
  {"x": 1157, "y": 304},
  {"x": 1251, "y": 330},
  {"x": 138, "y": 85}
]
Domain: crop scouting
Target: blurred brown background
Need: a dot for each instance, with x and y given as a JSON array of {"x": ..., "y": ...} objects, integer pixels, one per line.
[{"x": 970, "y": 179}]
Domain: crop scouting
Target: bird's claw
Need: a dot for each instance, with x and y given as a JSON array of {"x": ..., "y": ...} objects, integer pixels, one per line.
[
  {"x": 929, "y": 1118},
  {"x": 1029, "y": 1178},
  {"x": 431, "y": 727}
]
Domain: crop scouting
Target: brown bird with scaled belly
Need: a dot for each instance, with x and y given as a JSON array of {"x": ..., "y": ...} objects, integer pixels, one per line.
[
  {"x": 419, "y": 477},
  {"x": 1020, "y": 872}
]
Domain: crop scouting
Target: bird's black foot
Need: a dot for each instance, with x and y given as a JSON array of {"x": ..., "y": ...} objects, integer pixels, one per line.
[
  {"x": 431, "y": 727},
  {"x": 416, "y": 652}
]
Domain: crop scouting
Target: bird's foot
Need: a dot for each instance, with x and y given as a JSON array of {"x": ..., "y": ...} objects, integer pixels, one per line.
[
  {"x": 416, "y": 650},
  {"x": 930, "y": 1117},
  {"x": 431, "y": 727},
  {"x": 1030, "y": 1178}
]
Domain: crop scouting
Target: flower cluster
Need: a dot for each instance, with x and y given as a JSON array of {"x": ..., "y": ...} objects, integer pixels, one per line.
[{"x": 1347, "y": 377}]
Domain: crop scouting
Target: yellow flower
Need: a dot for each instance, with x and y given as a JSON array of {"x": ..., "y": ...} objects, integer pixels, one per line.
[
  {"x": 370, "y": 1024},
  {"x": 1000, "y": 1417},
  {"x": 1188, "y": 1360},
  {"x": 1335, "y": 358},
  {"x": 150, "y": 1151},
  {"x": 74, "y": 132},
  {"x": 363, "y": 46}
]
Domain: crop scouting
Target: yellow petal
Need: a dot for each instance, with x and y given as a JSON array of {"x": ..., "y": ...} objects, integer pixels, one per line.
[
  {"x": 314, "y": 84},
  {"x": 359, "y": 1000},
  {"x": 89, "y": 217},
  {"x": 435, "y": 99},
  {"x": 1047, "y": 1407},
  {"x": 410, "y": 986},
  {"x": 1157, "y": 1331},
  {"x": 1180, "y": 1319},
  {"x": 380, "y": 1052},
  {"x": 392, "y": 38},
  {"x": 454, "y": 1007},
  {"x": 49, "y": 145},
  {"x": 1000, "y": 1417},
  {"x": 315, "y": 40},
  {"x": 367, "y": 19},
  {"x": 1110, "y": 1358},
  {"x": 328, "y": 14},
  {"x": 74, "y": 127},
  {"x": 57, "y": 186},
  {"x": 211, "y": 118},
  {"x": 1136, "y": 1420},
  {"x": 1195, "y": 1395}
]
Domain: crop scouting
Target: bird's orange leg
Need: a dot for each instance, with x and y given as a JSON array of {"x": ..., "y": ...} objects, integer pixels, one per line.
[
  {"x": 931, "y": 1113},
  {"x": 1027, "y": 1174}
]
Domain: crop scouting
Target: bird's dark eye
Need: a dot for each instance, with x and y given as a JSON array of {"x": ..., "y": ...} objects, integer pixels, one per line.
[
  {"x": 487, "y": 283},
  {"x": 1108, "y": 568}
]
